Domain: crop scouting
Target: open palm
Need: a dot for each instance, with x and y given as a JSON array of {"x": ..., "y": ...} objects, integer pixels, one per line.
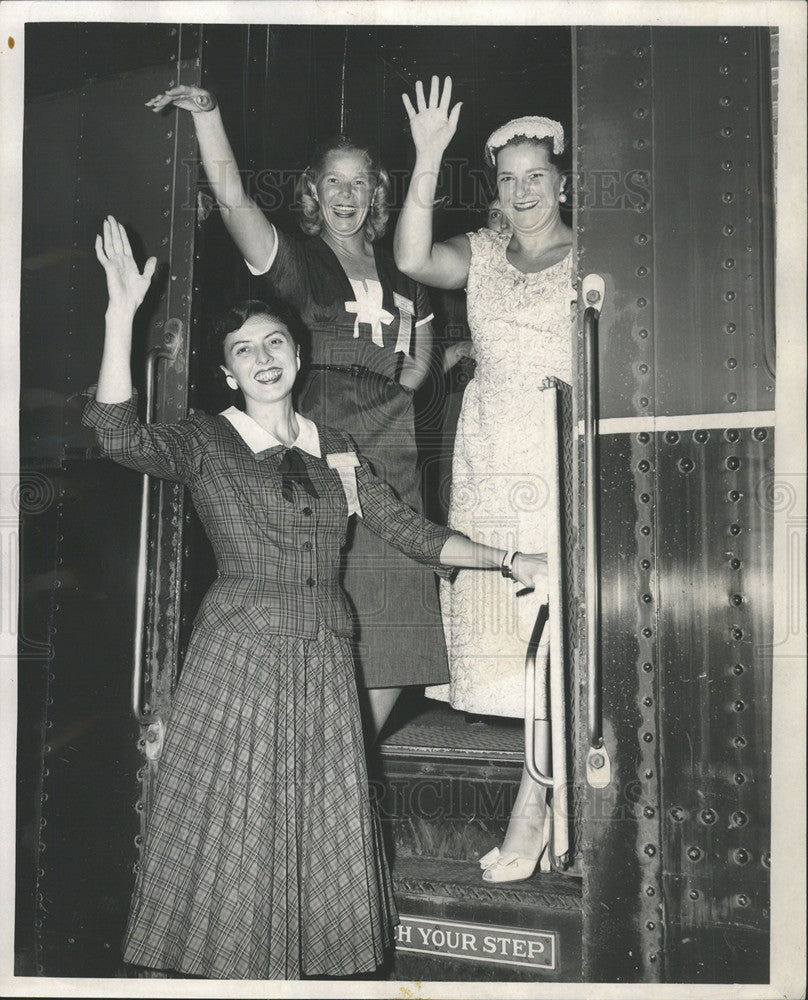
[
  {"x": 126, "y": 284},
  {"x": 431, "y": 123}
]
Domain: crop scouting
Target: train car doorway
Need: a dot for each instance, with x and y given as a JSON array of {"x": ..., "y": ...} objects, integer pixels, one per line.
[{"x": 667, "y": 700}]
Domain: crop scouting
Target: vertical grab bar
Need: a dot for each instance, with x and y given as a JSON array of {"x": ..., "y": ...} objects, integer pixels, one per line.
[
  {"x": 598, "y": 766},
  {"x": 150, "y": 719}
]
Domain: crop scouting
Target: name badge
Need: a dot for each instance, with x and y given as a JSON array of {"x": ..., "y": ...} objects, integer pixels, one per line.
[
  {"x": 406, "y": 311},
  {"x": 346, "y": 462}
]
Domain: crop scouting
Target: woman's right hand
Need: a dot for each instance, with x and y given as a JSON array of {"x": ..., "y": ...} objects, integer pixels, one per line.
[
  {"x": 432, "y": 124},
  {"x": 126, "y": 285},
  {"x": 193, "y": 99}
]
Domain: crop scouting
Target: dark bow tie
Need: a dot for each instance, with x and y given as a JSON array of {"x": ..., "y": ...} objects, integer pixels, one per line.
[{"x": 293, "y": 470}]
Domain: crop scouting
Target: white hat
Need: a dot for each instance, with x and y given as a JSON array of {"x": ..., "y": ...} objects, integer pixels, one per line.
[{"x": 531, "y": 127}]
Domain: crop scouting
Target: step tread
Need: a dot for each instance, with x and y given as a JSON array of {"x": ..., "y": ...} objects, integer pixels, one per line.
[
  {"x": 441, "y": 731},
  {"x": 447, "y": 878}
]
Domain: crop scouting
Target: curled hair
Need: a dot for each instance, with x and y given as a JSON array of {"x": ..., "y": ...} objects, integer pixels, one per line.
[{"x": 311, "y": 221}]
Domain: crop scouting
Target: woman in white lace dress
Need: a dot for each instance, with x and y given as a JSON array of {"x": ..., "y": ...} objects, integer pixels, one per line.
[{"x": 519, "y": 287}]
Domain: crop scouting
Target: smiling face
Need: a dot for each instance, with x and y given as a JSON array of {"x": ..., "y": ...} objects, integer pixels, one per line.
[
  {"x": 262, "y": 357},
  {"x": 528, "y": 185},
  {"x": 344, "y": 188}
]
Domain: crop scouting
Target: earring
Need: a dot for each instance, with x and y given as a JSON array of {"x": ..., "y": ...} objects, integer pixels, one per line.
[
  {"x": 562, "y": 197},
  {"x": 231, "y": 382}
]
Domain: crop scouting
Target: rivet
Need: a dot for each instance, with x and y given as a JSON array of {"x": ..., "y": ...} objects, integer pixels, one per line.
[
  {"x": 731, "y": 434},
  {"x": 729, "y": 263},
  {"x": 735, "y": 529},
  {"x": 639, "y": 52},
  {"x": 737, "y": 633},
  {"x": 641, "y": 238},
  {"x": 729, "y": 296},
  {"x": 738, "y": 669},
  {"x": 725, "y": 101},
  {"x": 648, "y": 702},
  {"x": 652, "y": 957},
  {"x": 647, "y": 632},
  {"x": 731, "y": 363},
  {"x": 735, "y": 563},
  {"x": 648, "y": 667},
  {"x": 644, "y": 465},
  {"x": 643, "y": 401},
  {"x": 740, "y": 778},
  {"x": 732, "y": 397},
  {"x": 727, "y": 165},
  {"x": 650, "y": 850},
  {"x": 642, "y": 334},
  {"x": 649, "y": 774},
  {"x": 640, "y": 113},
  {"x": 723, "y": 69},
  {"x": 643, "y": 438},
  {"x": 671, "y": 437},
  {"x": 736, "y": 600},
  {"x": 730, "y": 328},
  {"x": 739, "y": 818},
  {"x": 708, "y": 816},
  {"x": 649, "y": 812},
  {"x": 726, "y": 131},
  {"x": 643, "y": 369},
  {"x": 701, "y": 436},
  {"x": 648, "y": 737},
  {"x": 686, "y": 465},
  {"x": 694, "y": 853},
  {"x": 727, "y": 197},
  {"x": 640, "y": 82},
  {"x": 724, "y": 39},
  {"x": 645, "y": 497},
  {"x": 642, "y": 270},
  {"x": 694, "y": 894},
  {"x": 640, "y": 143},
  {"x": 677, "y": 814},
  {"x": 743, "y": 899},
  {"x": 645, "y": 530},
  {"x": 739, "y": 742},
  {"x": 733, "y": 463},
  {"x": 650, "y": 925},
  {"x": 760, "y": 433},
  {"x": 645, "y": 564},
  {"x": 739, "y": 706},
  {"x": 647, "y": 598},
  {"x": 729, "y": 230},
  {"x": 641, "y": 302}
]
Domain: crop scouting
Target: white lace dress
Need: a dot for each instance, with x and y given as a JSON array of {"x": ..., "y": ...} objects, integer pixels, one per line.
[{"x": 521, "y": 329}]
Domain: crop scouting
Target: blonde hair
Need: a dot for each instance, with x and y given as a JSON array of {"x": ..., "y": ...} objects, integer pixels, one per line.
[{"x": 311, "y": 221}]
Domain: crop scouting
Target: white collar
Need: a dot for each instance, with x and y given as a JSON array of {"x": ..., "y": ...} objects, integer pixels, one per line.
[{"x": 259, "y": 439}]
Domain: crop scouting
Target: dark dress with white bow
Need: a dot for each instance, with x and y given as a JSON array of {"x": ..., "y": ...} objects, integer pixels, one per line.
[{"x": 262, "y": 858}]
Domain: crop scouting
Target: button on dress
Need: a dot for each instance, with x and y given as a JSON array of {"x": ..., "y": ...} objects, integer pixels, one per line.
[{"x": 262, "y": 858}]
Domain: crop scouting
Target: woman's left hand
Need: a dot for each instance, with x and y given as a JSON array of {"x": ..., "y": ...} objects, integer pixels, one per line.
[
  {"x": 531, "y": 571},
  {"x": 126, "y": 285}
]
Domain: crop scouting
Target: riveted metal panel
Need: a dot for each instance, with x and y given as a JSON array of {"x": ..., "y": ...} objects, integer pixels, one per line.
[
  {"x": 712, "y": 210},
  {"x": 715, "y": 639}
]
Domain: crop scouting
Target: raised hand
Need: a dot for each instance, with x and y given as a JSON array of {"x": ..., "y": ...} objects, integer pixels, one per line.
[
  {"x": 193, "y": 99},
  {"x": 126, "y": 284},
  {"x": 432, "y": 124}
]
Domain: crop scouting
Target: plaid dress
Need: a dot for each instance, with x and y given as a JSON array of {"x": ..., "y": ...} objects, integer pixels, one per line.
[{"x": 262, "y": 858}]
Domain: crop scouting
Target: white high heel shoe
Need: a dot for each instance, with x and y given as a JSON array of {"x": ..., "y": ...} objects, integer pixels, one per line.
[{"x": 512, "y": 867}]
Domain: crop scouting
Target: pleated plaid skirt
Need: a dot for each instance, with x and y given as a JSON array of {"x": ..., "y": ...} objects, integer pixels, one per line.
[{"x": 262, "y": 857}]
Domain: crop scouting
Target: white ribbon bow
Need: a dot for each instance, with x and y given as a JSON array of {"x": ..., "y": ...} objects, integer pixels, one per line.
[{"x": 368, "y": 309}]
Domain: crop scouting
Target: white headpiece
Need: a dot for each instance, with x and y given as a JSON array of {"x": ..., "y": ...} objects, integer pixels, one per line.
[{"x": 531, "y": 127}]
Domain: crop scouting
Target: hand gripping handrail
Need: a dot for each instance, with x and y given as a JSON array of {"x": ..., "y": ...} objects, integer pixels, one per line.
[
  {"x": 597, "y": 764},
  {"x": 536, "y": 767}
]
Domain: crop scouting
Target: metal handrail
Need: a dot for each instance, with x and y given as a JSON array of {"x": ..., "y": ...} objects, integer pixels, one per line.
[
  {"x": 138, "y": 711},
  {"x": 593, "y": 292},
  {"x": 532, "y": 765}
]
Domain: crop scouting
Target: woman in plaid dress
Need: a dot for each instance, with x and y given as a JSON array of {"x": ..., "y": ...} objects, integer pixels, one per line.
[{"x": 262, "y": 859}]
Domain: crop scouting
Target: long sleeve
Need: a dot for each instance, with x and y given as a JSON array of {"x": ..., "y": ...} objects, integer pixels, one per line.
[{"x": 170, "y": 451}]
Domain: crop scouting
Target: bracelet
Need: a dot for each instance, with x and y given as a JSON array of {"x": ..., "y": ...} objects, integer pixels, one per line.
[
  {"x": 506, "y": 567},
  {"x": 205, "y": 102}
]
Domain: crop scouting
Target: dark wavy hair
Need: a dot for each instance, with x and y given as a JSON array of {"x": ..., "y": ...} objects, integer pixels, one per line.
[
  {"x": 311, "y": 221},
  {"x": 235, "y": 316}
]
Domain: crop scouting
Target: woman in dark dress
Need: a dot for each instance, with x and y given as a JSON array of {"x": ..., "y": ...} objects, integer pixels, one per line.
[
  {"x": 262, "y": 859},
  {"x": 371, "y": 340}
]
